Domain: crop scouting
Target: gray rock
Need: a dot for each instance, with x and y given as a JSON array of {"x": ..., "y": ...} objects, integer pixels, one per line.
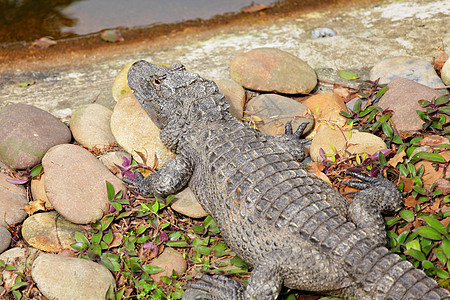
[
  {"x": 402, "y": 98},
  {"x": 413, "y": 68},
  {"x": 90, "y": 126},
  {"x": 359, "y": 142},
  {"x": 136, "y": 132},
  {"x": 49, "y": 232},
  {"x": 75, "y": 183},
  {"x": 272, "y": 70},
  {"x": 61, "y": 277},
  {"x": 170, "y": 260},
  {"x": 445, "y": 73},
  {"x": 26, "y": 133},
  {"x": 235, "y": 96},
  {"x": 13, "y": 199},
  {"x": 185, "y": 203},
  {"x": 5, "y": 239},
  {"x": 274, "y": 111},
  {"x": 111, "y": 159}
]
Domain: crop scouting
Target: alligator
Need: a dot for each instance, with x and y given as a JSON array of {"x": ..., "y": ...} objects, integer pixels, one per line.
[{"x": 288, "y": 225}]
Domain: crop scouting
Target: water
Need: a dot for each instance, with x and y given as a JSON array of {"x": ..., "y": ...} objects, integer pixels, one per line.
[{"x": 28, "y": 20}]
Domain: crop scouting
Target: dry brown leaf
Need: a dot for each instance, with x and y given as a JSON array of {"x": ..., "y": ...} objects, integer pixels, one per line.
[
  {"x": 341, "y": 92},
  {"x": 316, "y": 168},
  {"x": 410, "y": 201},
  {"x": 117, "y": 240},
  {"x": 430, "y": 175},
  {"x": 440, "y": 60},
  {"x": 407, "y": 183},
  {"x": 443, "y": 185},
  {"x": 434, "y": 140},
  {"x": 404, "y": 228},
  {"x": 34, "y": 206},
  {"x": 396, "y": 159},
  {"x": 445, "y": 221}
]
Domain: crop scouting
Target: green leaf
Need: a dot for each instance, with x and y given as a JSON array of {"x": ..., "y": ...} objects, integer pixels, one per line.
[
  {"x": 446, "y": 247},
  {"x": 79, "y": 237},
  {"x": 238, "y": 262},
  {"x": 382, "y": 91},
  {"x": 150, "y": 269},
  {"x": 117, "y": 206},
  {"x": 428, "y": 233},
  {"x": 108, "y": 263},
  {"x": 348, "y": 75},
  {"x": 442, "y": 274},
  {"x": 219, "y": 252},
  {"x": 109, "y": 190},
  {"x": 435, "y": 224},
  {"x": 387, "y": 130},
  {"x": 414, "y": 244},
  {"x": 108, "y": 238},
  {"x": 106, "y": 221},
  {"x": 203, "y": 250},
  {"x": 427, "y": 265},
  {"x": 407, "y": 215},
  {"x": 97, "y": 237},
  {"x": 156, "y": 206},
  {"x": 393, "y": 220},
  {"x": 174, "y": 236},
  {"x": 429, "y": 156},
  {"x": 416, "y": 254},
  {"x": 346, "y": 114},
  {"x": 79, "y": 246},
  {"x": 442, "y": 100},
  {"x": 141, "y": 229},
  {"x": 35, "y": 171},
  {"x": 176, "y": 243}
]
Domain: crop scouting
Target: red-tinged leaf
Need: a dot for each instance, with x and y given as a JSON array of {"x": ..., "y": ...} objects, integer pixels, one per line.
[
  {"x": 112, "y": 36},
  {"x": 17, "y": 181},
  {"x": 428, "y": 232},
  {"x": 43, "y": 43}
]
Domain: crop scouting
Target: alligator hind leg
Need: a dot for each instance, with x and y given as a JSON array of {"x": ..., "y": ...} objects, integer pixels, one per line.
[{"x": 377, "y": 196}]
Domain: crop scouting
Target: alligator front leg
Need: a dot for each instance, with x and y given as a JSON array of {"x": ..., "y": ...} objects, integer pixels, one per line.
[
  {"x": 377, "y": 196},
  {"x": 170, "y": 179},
  {"x": 290, "y": 141},
  {"x": 264, "y": 283}
]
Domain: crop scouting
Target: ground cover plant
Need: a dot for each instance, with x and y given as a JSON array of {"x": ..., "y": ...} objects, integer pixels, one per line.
[{"x": 137, "y": 229}]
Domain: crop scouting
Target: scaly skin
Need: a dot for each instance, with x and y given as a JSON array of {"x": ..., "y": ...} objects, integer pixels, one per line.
[{"x": 287, "y": 224}]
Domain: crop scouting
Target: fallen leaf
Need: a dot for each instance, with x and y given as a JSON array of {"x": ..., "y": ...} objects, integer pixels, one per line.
[
  {"x": 445, "y": 221},
  {"x": 408, "y": 183},
  {"x": 34, "y": 206},
  {"x": 434, "y": 140},
  {"x": 396, "y": 159},
  {"x": 443, "y": 185},
  {"x": 252, "y": 8},
  {"x": 439, "y": 60},
  {"x": 43, "y": 43},
  {"x": 410, "y": 201},
  {"x": 348, "y": 75},
  {"x": 341, "y": 92},
  {"x": 112, "y": 36},
  {"x": 316, "y": 168}
]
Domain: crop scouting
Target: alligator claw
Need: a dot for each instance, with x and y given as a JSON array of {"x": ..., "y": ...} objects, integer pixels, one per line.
[
  {"x": 139, "y": 183},
  {"x": 365, "y": 183}
]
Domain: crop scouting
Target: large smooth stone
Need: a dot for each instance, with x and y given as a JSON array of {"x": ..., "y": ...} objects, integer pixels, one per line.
[
  {"x": 20, "y": 259},
  {"x": 26, "y": 133},
  {"x": 61, "y": 277},
  {"x": 186, "y": 203},
  {"x": 359, "y": 142},
  {"x": 49, "y": 232},
  {"x": 275, "y": 111},
  {"x": 90, "y": 126},
  {"x": 235, "y": 96},
  {"x": 75, "y": 183},
  {"x": 273, "y": 70},
  {"x": 402, "y": 97},
  {"x": 412, "y": 68},
  {"x": 326, "y": 108},
  {"x": 136, "y": 132},
  {"x": 445, "y": 73},
  {"x": 170, "y": 260},
  {"x": 120, "y": 86},
  {"x": 13, "y": 199},
  {"x": 5, "y": 239}
]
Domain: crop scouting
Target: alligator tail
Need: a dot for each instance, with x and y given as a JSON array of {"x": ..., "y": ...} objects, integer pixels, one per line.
[{"x": 384, "y": 275}]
